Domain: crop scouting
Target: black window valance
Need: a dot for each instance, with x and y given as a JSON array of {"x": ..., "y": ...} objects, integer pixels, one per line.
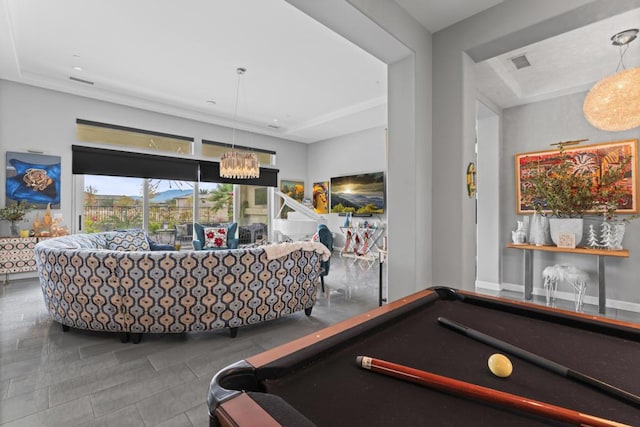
[{"x": 102, "y": 161}]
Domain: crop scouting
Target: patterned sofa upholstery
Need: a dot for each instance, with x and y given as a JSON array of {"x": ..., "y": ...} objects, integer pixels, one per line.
[{"x": 112, "y": 282}]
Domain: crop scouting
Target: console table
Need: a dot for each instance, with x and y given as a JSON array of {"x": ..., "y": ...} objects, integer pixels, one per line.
[
  {"x": 16, "y": 255},
  {"x": 360, "y": 242},
  {"x": 599, "y": 253}
]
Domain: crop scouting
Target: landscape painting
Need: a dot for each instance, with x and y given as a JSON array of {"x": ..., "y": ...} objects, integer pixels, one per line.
[
  {"x": 33, "y": 179},
  {"x": 358, "y": 194},
  {"x": 293, "y": 189}
]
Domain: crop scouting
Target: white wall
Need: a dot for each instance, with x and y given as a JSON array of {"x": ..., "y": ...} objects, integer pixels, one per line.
[
  {"x": 393, "y": 36},
  {"x": 346, "y": 155},
  {"x": 488, "y": 202},
  {"x": 358, "y": 152},
  {"x": 533, "y": 127},
  {"x": 45, "y": 120},
  {"x": 410, "y": 177}
]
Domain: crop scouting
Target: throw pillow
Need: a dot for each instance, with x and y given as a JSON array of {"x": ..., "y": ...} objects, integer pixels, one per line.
[
  {"x": 127, "y": 240},
  {"x": 181, "y": 229},
  {"x": 215, "y": 237}
]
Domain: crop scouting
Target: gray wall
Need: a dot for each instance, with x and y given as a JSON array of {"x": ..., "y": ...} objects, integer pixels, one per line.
[
  {"x": 505, "y": 27},
  {"x": 533, "y": 127},
  {"x": 45, "y": 120}
]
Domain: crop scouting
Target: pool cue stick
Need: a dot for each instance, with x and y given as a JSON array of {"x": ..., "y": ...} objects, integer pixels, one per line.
[
  {"x": 485, "y": 394},
  {"x": 542, "y": 362}
]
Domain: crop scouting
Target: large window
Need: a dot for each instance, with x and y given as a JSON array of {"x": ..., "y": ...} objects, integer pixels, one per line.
[
  {"x": 127, "y": 189},
  {"x": 112, "y": 203},
  {"x": 121, "y": 136},
  {"x": 216, "y": 149}
]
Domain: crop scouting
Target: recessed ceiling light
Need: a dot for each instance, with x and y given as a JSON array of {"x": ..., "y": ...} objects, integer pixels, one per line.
[
  {"x": 275, "y": 120},
  {"x": 211, "y": 101},
  {"x": 77, "y": 68}
]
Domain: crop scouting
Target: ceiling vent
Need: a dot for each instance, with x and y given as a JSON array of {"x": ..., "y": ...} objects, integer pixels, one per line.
[
  {"x": 75, "y": 79},
  {"x": 520, "y": 62}
]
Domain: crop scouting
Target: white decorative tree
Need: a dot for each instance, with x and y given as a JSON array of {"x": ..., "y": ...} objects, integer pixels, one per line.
[
  {"x": 592, "y": 241},
  {"x": 608, "y": 239}
]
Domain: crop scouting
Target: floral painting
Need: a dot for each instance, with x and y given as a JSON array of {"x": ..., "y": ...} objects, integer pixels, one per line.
[
  {"x": 293, "y": 189},
  {"x": 33, "y": 179},
  {"x": 592, "y": 161}
]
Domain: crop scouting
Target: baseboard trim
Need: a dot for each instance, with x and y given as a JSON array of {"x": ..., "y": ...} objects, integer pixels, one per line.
[
  {"x": 568, "y": 296},
  {"x": 488, "y": 285}
]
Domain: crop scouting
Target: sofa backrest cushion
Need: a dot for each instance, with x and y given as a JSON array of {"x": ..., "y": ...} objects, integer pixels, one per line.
[{"x": 128, "y": 240}]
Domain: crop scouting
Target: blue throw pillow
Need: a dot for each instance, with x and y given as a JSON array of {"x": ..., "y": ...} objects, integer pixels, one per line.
[
  {"x": 231, "y": 231},
  {"x": 199, "y": 232}
]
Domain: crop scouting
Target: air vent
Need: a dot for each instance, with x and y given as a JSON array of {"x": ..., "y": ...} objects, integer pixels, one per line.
[
  {"x": 520, "y": 62},
  {"x": 75, "y": 79},
  {"x": 274, "y": 127}
]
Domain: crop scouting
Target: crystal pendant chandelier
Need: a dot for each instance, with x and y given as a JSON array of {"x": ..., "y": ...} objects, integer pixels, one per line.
[
  {"x": 613, "y": 104},
  {"x": 238, "y": 164}
]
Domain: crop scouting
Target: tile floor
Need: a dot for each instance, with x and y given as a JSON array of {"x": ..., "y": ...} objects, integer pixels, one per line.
[{"x": 79, "y": 378}]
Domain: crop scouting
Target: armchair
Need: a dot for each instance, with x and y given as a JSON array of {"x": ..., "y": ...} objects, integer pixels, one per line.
[
  {"x": 326, "y": 238},
  {"x": 200, "y": 242}
]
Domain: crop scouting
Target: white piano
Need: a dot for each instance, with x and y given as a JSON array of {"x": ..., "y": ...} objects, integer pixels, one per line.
[{"x": 299, "y": 225}]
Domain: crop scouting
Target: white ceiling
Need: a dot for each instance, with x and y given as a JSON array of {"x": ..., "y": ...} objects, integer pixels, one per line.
[
  {"x": 568, "y": 63},
  {"x": 435, "y": 15},
  {"x": 173, "y": 57}
]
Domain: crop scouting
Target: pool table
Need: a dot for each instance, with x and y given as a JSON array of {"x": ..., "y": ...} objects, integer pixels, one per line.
[{"x": 315, "y": 380}]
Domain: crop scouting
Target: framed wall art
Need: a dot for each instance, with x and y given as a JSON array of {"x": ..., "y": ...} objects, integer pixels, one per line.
[
  {"x": 361, "y": 194},
  {"x": 320, "y": 198},
  {"x": 33, "y": 179},
  {"x": 591, "y": 161},
  {"x": 293, "y": 189}
]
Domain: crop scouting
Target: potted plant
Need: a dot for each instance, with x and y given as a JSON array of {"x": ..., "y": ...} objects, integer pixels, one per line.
[
  {"x": 570, "y": 187},
  {"x": 13, "y": 213}
]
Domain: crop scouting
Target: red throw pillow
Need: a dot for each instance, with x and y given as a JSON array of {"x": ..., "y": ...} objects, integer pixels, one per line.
[{"x": 215, "y": 237}]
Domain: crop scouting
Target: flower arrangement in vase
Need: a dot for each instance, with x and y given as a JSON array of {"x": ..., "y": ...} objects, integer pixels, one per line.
[{"x": 15, "y": 212}]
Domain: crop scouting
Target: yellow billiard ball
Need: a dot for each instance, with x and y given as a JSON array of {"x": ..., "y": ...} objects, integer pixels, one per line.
[{"x": 500, "y": 365}]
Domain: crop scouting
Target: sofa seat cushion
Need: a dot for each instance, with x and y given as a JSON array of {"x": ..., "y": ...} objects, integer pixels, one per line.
[{"x": 215, "y": 237}]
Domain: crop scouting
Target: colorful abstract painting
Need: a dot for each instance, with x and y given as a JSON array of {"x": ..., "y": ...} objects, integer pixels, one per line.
[
  {"x": 590, "y": 160},
  {"x": 33, "y": 179}
]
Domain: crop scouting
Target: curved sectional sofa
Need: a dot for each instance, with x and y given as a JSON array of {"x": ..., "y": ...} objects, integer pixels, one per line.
[{"x": 113, "y": 282}]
